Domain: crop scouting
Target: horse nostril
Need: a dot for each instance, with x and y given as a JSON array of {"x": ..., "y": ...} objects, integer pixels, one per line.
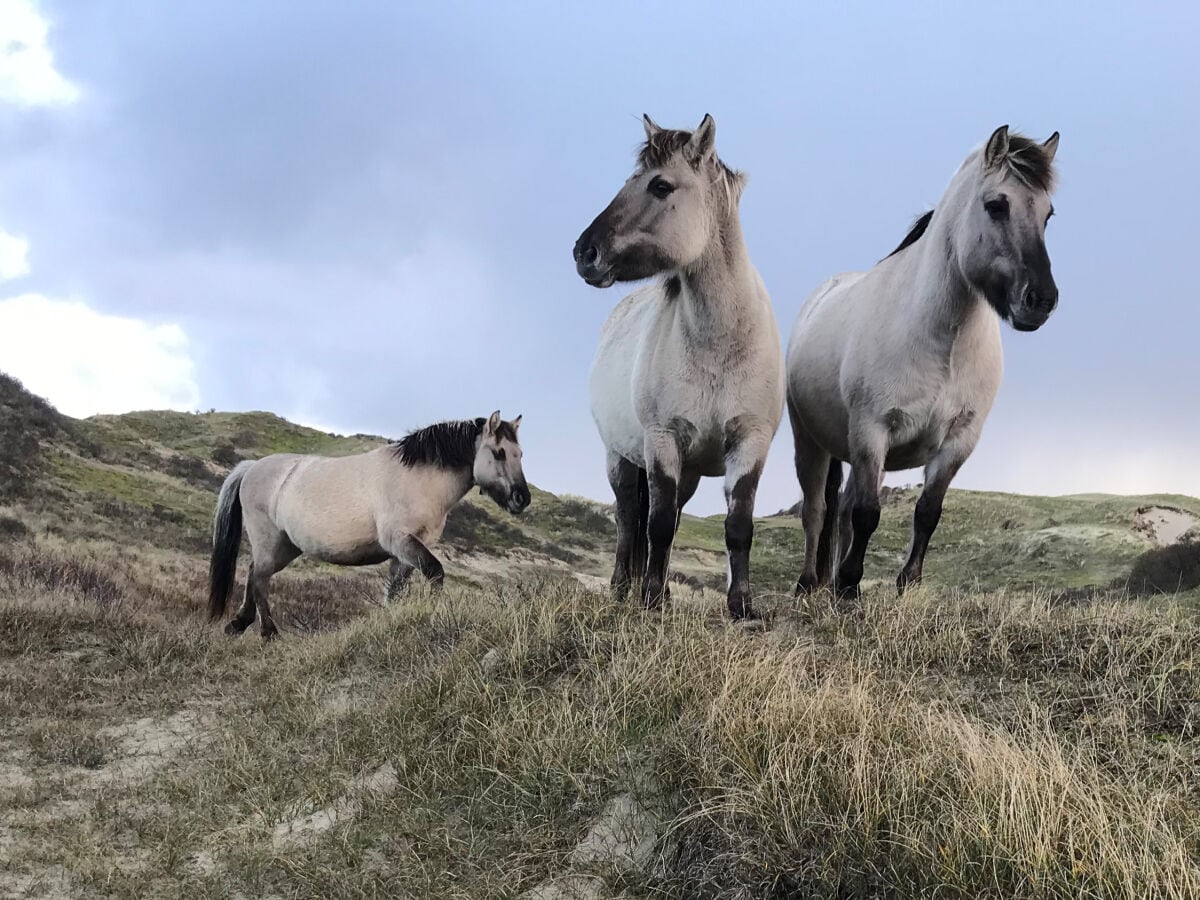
[{"x": 589, "y": 255}]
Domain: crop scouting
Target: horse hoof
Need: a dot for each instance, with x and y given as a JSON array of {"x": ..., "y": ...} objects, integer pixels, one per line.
[
  {"x": 271, "y": 635},
  {"x": 235, "y": 628},
  {"x": 740, "y": 609},
  {"x": 847, "y": 591},
  {"x": 806, "y": 585},
  {"x": 653, "y": 595}
]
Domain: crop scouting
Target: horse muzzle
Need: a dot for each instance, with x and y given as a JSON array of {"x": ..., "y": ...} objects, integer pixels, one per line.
[
  {"x": 518, "y": 499},
  {"x": 1034, "y": 309},
  {"x": 590, "y": 265}
]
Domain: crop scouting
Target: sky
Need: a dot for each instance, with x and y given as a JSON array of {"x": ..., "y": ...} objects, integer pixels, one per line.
[{"x": 360, "y": 215}]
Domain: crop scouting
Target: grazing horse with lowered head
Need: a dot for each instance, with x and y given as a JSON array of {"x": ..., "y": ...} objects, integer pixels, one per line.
[
  {"x": 898, "y": 367},
  {"x": 389, "y": 503},
  {"x": 688, "y": 378}
]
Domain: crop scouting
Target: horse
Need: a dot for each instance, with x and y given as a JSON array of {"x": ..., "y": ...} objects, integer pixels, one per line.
[
  {"x": 387, "y": 504},
  {"x": 688, "y": 379},
  {"x": 898, "y": 367}
]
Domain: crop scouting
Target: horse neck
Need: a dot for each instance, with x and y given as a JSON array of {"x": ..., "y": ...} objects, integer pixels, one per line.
[
  {"x": 452, "y": 484},
  {"x": 719, "y": 284},
  {"x": 944, "y": 301}
]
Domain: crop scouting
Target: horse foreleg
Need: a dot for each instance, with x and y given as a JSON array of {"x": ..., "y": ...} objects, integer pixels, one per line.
[
  {"x": 938, "y": 474},
  {"x": 743, "y": 467},
  {"x": 867, "y": 474},
  {"x": 663, "y": 462},
  {"x": 410, "y": 551},
  {"x": 398, "y": 575},
  {"x": 627, "y": 482}
]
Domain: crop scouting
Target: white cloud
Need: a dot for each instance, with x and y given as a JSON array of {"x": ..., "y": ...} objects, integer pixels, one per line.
[
  {"x": 27, "y": 73},
  {"x": 85, "y": 362},
  {"x": 14, "y": 256}
]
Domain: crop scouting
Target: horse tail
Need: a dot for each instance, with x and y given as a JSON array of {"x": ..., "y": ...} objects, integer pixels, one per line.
[
  {"x": 227, "y": 539},
  {"x": 641, "y": 534}
]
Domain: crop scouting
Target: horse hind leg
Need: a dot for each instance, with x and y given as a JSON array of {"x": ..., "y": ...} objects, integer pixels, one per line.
[
  {"x": 282, "y": 553},
  {"x": 827, "y": 546},
  {"x": 244, "y": 617},
  {"x": 812, "y": 471}
]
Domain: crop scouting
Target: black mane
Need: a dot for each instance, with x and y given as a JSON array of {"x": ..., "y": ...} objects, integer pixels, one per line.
[
  {"x": 447, "y": 445},
  {"x": 914, "y": 233},
  {"x": 1027, "y": 160}
]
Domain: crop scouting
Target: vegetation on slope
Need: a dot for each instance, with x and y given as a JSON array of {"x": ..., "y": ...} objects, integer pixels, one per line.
[{"x": 998, "y": 733}]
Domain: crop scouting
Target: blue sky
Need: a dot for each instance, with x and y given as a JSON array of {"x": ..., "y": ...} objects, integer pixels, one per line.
[{"x": 361, "y": 215}]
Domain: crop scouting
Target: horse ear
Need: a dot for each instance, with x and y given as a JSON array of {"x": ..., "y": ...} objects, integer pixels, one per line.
[
  {"x": 651, "y": 127},
  {"x": 997, "y": 148},
  {"x": 493, "y": 423},
  {"x": 702, "y": 140},
  {"x": 1050, "y": 147},
  {"x": 516, "y": 423}
]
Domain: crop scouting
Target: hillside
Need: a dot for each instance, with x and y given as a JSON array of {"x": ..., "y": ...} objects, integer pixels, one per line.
[
  {"x": 150, "y": 479},
  {"x": 1019, "y": 727}
]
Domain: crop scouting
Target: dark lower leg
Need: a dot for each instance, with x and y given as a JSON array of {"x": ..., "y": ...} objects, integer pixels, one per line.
[
  {"x": 416, "y": 554},
  {"x": 664, "y": 515},
  {"x": 925, "y": 521},
  {"x": 827, "y": 545},
  {"x": 739, "y": 536},
  {"x": 244, "y": 617},
  {"x": 623, "y": 477},
  {"x": 812, "y": 468},
  {"x": 864, "y": 519},
  {"x": 398, "y": 575},
  {"x": 266, "y": 623}
]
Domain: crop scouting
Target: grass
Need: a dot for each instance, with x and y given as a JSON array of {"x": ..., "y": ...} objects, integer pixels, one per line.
[
  {"x": 1019, "y": 727},
  {"x": 959, "y": 744}
]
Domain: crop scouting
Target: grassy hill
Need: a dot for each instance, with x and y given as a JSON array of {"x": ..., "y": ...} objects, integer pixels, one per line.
[{"x": 1001, "y": 732}]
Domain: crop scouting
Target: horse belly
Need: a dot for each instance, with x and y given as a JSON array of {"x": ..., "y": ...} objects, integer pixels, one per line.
[{"x": 326, "y": 517}]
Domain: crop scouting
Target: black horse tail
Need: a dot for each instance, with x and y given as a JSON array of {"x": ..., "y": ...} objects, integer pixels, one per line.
[{"x": 227, "y": 539}]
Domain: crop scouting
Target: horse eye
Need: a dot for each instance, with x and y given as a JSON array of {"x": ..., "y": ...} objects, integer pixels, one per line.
[
  {"x": 660, "y": 187},
  {"x": 997, "y": 209},
  {"x": 499, "y": 454}
]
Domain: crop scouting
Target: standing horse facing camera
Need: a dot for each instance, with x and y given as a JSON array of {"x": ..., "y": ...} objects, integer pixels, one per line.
[
  {"x": 688, "y": 378},
  {"x": 389, "y": 503},
  {"x": 898, "y": 367}
]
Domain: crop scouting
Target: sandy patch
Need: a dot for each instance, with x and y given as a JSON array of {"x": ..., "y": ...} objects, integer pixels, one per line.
[
  {"x": 146, "y": 745},
  {"x": 301, "y": 829},
  {"x": 1163, "y": 524}
]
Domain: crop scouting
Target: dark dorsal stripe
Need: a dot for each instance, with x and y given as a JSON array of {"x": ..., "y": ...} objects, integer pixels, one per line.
[
  {"x": 447, "y": 445},
  {"x": 914, "y": 233}
]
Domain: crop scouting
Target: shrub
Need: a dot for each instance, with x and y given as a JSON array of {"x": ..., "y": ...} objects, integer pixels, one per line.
[
  {"x": 1165, "y": 570},
  {"x": 226, "y": 455},
  {"x": 12, "y": 528}
]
